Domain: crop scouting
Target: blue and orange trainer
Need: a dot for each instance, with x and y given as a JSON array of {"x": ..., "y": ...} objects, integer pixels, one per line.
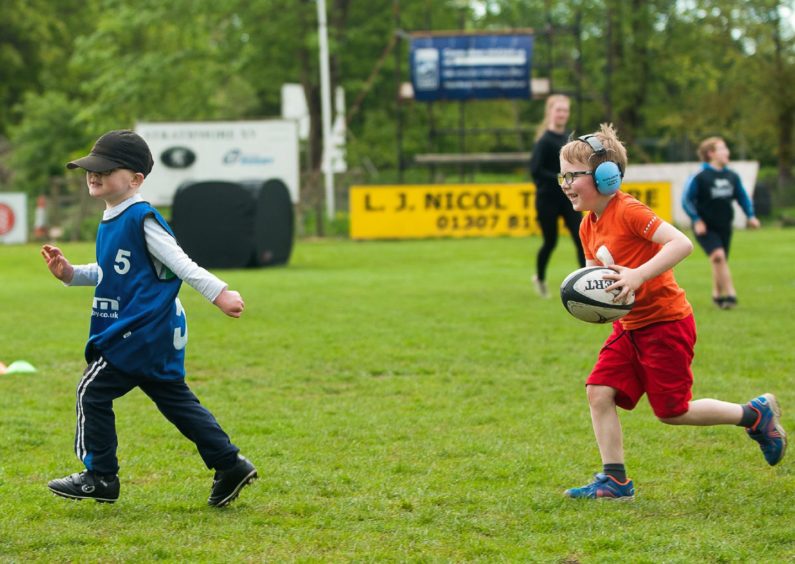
[
  {"x": 767, "y": 429},
  {"x": 604, "y": 487}
]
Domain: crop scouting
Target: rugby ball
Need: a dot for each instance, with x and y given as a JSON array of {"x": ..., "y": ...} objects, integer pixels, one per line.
[{"x": 584, "y": 296}]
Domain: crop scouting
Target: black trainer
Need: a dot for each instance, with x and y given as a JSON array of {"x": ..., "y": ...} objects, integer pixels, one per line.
[
  {"x": 228, "y": 483},
  {"x": 87, "y": 485}
]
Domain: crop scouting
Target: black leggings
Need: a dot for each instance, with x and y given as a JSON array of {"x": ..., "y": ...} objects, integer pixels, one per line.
[{"x": 548, "y": 208}]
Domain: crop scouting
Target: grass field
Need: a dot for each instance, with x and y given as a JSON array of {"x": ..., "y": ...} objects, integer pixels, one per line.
[{"x": 410, "y": 401}]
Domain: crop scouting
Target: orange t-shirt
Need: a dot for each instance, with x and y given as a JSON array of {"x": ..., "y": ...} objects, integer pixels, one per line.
[{"x": 622, "y": 236}]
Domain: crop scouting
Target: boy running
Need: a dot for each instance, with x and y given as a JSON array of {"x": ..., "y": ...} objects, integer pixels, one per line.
[{"x": 651, "y": 349}]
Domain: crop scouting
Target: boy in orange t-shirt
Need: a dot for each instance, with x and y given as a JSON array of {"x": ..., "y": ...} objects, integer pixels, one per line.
[{"x": 650, "y": 350}]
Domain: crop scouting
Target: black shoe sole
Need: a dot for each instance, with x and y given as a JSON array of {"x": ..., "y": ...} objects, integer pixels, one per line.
[
  {"x": 236, "y": 492},
  {"x": 80, "y": 498}
]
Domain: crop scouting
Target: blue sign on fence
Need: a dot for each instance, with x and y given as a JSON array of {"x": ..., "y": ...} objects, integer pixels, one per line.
[{"x": 470, "y": 67}]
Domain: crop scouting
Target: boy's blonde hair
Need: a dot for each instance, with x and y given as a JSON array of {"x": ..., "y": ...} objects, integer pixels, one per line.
[
  {"x": 580, "y": 151},
  {"x": 551, "y": 101},
  {"x": 707, "y": 146}
]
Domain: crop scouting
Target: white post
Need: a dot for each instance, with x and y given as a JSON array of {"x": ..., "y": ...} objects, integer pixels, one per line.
[{"x": 325, "y": 105}]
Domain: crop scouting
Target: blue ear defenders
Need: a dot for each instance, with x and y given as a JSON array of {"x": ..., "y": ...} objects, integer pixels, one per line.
[{"x": 607, "y": 176}]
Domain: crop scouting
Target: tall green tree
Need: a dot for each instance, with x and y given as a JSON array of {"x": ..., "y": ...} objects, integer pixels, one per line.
[
  {"x": 768, "y": 74},
  {"x": 25, "y": 30}
]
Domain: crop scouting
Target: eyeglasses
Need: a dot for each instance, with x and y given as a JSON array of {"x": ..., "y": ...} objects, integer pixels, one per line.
[{"x": 569, "y": 177}]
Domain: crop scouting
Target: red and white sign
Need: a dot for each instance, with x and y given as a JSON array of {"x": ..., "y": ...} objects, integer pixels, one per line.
[
  {"x": 13, "y": 217},
  {"x": 6, "y": 219}
]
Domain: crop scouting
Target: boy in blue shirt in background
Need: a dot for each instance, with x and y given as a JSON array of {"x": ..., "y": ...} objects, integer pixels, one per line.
[{"x": 707, "y": 199}]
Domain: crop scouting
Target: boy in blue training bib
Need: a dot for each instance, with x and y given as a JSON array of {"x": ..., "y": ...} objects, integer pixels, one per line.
[{"x": 139, "y": 330}]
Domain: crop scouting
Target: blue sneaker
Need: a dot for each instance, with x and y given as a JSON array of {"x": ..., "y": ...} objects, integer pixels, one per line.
[
  {"x": 767, "y": 429},
  {"x": 604, "y": 487}
]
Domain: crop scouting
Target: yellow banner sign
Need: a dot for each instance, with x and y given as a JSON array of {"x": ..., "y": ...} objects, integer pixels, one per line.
[{"x": 464, "y": 210}]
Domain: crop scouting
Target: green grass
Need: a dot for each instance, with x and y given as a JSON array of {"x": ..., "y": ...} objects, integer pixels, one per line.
[{"x": 403, "y": 401}]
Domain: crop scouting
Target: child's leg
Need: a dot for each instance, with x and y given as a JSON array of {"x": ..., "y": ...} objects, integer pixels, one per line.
[
  {"x": 95, "y": 434},
  {"x": 613, "y": 382},
  {"x": 761, "y": 418},
  {"x": 612, "y": 482},
  {"x": 722, "y": 284},
  {"x": 706, "y": 412},
  {"x": 606, "y": 425},
  {"x": 666, "y": 353},
  {"x": 715, "y": 243},
  {"x": 181, "y": 407}
]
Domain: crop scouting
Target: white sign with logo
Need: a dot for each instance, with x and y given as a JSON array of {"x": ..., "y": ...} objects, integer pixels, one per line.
[
  {"x": 225, "y": 150},
  {"x": 13, "y": 217}
]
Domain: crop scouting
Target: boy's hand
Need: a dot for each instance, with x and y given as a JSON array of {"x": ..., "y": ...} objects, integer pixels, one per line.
[
  {"x": 753, "y": 223},
  {"x": 699, "y": 227},
  {"x": 57, "y": 263},
  {"x": 627, "y": 280},
  {"x": 230, "y": 303}
]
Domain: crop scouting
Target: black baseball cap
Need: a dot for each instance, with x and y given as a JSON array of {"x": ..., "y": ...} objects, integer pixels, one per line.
[{"x": 121, "y": 148}]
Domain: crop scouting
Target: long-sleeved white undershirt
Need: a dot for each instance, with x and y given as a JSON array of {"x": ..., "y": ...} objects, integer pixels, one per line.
[{"x": 165, "y": 253}]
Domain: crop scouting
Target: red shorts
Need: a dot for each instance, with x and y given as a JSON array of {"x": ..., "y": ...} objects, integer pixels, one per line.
[{"x": 654, "y": 360}]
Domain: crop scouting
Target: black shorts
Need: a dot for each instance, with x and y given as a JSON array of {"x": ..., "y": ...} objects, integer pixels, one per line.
[{"x": 715, "y": 239}]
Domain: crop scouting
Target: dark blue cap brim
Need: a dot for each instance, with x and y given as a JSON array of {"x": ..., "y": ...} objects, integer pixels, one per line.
[{"x": 94, "y": 163}]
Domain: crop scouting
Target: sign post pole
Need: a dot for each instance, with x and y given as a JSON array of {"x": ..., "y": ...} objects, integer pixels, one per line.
[{"x": 325, "y": 105}]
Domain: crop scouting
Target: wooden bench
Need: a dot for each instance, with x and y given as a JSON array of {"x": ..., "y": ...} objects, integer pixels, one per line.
[{"x": 471, "y": 158}]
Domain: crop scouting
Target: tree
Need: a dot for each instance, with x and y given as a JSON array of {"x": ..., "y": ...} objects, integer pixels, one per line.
[
  {"x": 769, "y": 70},
  {"x": 24, "y": 30},
  {"x": 667, "y": 73}
]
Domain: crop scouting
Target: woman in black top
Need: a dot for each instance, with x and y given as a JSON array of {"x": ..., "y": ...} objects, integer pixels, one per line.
[{"x": 551, "y": 203}]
